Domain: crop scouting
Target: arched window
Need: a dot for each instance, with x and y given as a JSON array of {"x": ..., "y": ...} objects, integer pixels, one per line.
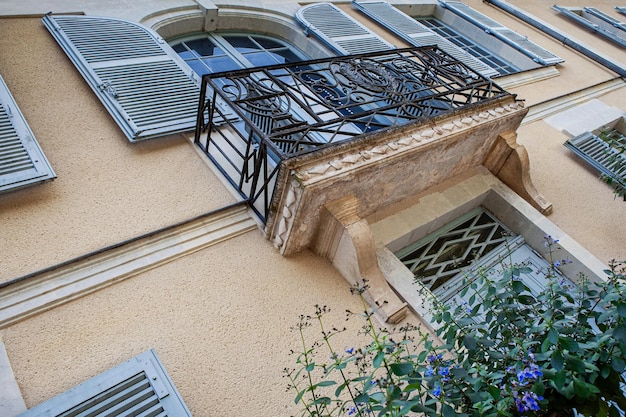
[{"x": 212, "y": 52}]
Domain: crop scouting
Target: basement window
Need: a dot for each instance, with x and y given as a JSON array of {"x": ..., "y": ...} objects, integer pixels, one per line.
[{"x": 449, "y": 259}]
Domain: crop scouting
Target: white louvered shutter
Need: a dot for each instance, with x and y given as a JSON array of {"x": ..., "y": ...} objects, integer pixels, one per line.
[
  {"x": 609, "y": 28},
  {"x": 145, "y": 86},
  {"x": 139, "y": 387},
  {"x": 339, "y": 31},
  {"x": 22, "y": 162},
  {"x": 417, "y": 34},
  {"x": 616, "y": 23},
  {"x": 506, "y": 35},
  {"x": 599, "y": 154}
]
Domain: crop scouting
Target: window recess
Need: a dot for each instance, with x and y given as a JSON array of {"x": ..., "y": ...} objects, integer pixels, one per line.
[
  {"x": 449, "y": 259},
  {"x": 504, "y": 34},
  {"x": 417, "y": 34}
]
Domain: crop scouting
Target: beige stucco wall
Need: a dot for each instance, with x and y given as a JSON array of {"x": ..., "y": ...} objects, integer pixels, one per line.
[
  {"x": 219, "y": 320},
  {"x": 583, "y": 205},
  {"x": 107, "y": 189}
]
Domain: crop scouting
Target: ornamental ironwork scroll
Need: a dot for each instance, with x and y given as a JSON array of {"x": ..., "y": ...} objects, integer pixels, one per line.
[{"x": 287, "y": 110}]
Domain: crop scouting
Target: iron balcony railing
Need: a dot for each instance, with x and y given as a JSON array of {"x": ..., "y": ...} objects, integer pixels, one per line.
[{"x": 285, "y": 111}]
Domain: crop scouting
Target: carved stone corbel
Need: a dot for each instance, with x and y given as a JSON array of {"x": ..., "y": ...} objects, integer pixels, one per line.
[
  {"x": 346, "y": 240},
  {"x": 508, "y": 160}
]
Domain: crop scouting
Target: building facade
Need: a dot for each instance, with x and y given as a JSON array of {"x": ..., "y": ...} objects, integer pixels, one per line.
[{"x": 135, "y": 227}]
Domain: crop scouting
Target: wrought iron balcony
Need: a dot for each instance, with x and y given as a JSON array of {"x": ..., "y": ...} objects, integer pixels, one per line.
[{"x": 285, "y": 111}]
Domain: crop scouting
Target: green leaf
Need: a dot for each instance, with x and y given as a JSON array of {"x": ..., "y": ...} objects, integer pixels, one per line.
[
  {"x": 569, "y": 344},
  {"x": 447, "y": 411},
  {"x": 557, "y": 360},
  {"x": 518, "y": 286},
  {"x": 340, "y": 388},
  {"x": 378, "y": 359},
  {"x": 494, "y": 392},
  {"x": 362, "y": 398},
  {"x": 575, "y": 364},
  {"x": 525, "y": 270},
  {"x": 559, "y": 380},
  {"x": 401, "y": 369},
  {"x": 553, "y": 336},
  {"x": 323, "y": 384},
  {"x": 621, "y": 309},
  {"x": 299, "y": 396},
  {"x": 469, "y": 342},
  {"x": 617, "y": 364},
  {"x": 619, "y": 333},
  {"x": 581, "y": 389},
  {"x": 322, "y": 400},
  {"x": 310, "y": 367}
]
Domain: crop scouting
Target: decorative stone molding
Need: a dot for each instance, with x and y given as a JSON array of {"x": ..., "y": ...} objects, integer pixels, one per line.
[
  {"x": 347, "y": 241},
  {"x": 385, "y": 167},
  {"x": 426, "y": 134},
  {"x": 508, "y": 160},
  {"x": 293, "y": 196}
]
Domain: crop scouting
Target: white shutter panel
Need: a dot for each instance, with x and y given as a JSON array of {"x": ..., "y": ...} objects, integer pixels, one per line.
[
  {"x": 612, "y": 34},
  {"x": 137, "y": 387},
  {"x": 22, "y": 161},
  {"x": 417, "y": 34},
  {"x": 600, "y": 155},
  {"x": 339, "y": 31},
  {"x": 616, "y": 23},
  {"x": 506, "y": 35},
  {"x": 145, "y": 86}
]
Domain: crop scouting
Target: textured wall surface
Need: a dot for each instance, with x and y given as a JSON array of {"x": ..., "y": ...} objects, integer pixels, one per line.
[{"x": 107, "y": 189}]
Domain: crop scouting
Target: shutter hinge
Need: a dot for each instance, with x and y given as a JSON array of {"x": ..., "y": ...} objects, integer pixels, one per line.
[{"x": 107, "y": 87}]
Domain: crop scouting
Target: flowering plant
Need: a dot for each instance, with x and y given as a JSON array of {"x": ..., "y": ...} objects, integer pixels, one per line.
[{"x": 504, "y": 352}]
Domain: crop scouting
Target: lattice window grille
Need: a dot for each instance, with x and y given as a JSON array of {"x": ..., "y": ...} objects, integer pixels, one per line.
[{"x": 439, "y": 257}]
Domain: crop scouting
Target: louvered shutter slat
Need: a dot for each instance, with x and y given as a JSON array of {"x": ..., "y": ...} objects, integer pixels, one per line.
[
  {"x": 139, "y": 387},
  {"x": 22, "y": 162},
  {"x": 598, "y": 154},
  {"x": 508, "y": 36},
  {"x": 417, "y": 34},
  {"x": 611, "y": 34},
  {"x": 339, "y": 31},
  {"x": 145, "y": 86}
]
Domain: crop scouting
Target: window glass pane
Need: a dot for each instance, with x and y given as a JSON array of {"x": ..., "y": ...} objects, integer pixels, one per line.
[
  {"x": 287, "y": 55},
  {"x": 204, "y": 47},
  {"x": 243, "y": 44},
  {"x": 262, "y": 58},
  {"x": 183, "y": 51},
  {"x": 221, "y": 63},
  {"x": 268, "y": 43},
  {"x": 198, "y": 67},
  {"x": 468, "y": 45}
]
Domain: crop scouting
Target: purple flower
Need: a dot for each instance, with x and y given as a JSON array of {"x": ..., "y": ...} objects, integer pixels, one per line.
[
  {"x": 429, "y": 371},
  {"x": 444, "y": 370},
  {"x": 350, "y": 351},
  {"x": 437, "y": 391}
]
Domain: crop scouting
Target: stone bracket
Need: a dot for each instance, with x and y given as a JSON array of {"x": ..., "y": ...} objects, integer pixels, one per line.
[
  {"x": 508, "y": 160},
  {"x": 347, "y": 241}
]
